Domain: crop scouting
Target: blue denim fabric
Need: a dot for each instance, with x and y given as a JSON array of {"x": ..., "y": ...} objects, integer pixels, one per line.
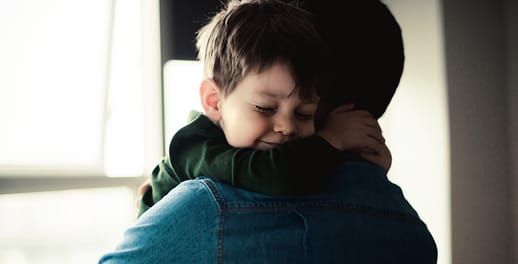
[{"x": 364, "y": 218}]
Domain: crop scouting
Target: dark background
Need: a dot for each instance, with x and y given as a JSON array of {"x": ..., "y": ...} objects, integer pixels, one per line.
[{"x": 179, "y": 21}]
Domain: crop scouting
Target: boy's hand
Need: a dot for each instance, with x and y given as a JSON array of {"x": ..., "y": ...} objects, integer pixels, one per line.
[
  {"x": 142, "y": 190},
  {"x": 356, "y": 130},
  {"x": 381, "y": 156}
]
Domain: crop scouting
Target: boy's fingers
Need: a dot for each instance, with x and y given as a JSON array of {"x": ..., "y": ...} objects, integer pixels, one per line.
[
  {"x": 344, "y": 108},
  {"x": 374, "y": 133},
  {"x": 372, "y": 122},
  {"x": 144, "y": 187},
  {"x": 371, "y": 145},
  {"x": 376, "y": 159},
  {"x": 378, "y": 154}
]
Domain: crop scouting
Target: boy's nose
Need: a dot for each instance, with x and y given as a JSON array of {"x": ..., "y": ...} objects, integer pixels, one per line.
[{"x": 285, "y": 125}]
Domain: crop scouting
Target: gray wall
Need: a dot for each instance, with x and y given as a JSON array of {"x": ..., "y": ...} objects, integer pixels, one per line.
[
  {"x": 481, "y": 66},
  {"x": 512, "y": 71}
]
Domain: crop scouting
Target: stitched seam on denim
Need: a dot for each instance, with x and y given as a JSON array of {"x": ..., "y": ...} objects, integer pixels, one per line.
[
  {"x": 305, "y": 236},
  {"x": 345, "y": 208},
  {"x": 221, "y": 215}
]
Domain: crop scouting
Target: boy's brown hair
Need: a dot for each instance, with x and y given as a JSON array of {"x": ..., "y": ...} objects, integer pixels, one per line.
[{"x": 252, "y": 35}]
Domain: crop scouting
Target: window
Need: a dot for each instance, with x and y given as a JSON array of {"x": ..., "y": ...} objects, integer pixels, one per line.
[
  {"x": 72, "y": 92},
  {"x": 73, "y": 226},
  {"x": 80, "y": 100},
  {"x": 54, "y": 60}
]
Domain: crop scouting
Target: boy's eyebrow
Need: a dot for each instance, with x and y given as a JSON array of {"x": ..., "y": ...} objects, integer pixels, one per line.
[
  {"x": 312, "y": 100},
  {"x": 269, "y": 94}
]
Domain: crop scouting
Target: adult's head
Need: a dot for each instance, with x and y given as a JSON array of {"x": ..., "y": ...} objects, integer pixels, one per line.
[{"x": 366, "y": 53}]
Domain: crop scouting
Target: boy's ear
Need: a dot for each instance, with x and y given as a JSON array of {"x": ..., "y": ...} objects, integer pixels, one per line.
[{"x": 210, "y": 96}]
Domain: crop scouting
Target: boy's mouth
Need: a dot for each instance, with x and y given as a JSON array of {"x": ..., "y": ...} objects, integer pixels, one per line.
[{"x": 273, "y": 144}]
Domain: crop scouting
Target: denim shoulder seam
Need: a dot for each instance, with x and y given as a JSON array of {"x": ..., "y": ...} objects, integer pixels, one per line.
[{"x": 218, "y": 198}]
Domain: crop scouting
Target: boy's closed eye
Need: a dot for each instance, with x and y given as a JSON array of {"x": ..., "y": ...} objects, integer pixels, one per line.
[
  {"x": 304, "y": 115},
  {"x": 306, "y": 111},
  {"x": 264, "y": 109}
]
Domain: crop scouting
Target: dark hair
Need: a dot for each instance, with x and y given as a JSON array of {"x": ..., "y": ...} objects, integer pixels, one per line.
[
  {"x": 365, "y": 51},
  {"x": 252, "y": 35}
]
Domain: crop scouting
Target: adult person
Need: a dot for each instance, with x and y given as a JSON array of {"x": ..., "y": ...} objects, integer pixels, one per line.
[
  {"x": 257, "y": 131},
  {"x": 361, "y": 217}
]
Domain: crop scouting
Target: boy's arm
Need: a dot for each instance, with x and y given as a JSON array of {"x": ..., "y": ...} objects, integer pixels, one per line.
[
  {"x": 293, "y": 168},
  {"x": 163, "y": 179},
  {"x": 164, "y": 176}
]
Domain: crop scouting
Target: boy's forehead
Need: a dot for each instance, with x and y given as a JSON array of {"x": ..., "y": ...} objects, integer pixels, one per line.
[{"x": 275, "y": 81}]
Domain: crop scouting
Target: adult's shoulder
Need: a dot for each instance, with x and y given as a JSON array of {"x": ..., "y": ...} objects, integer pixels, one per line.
[
  {"x": 188, "y": 194},
  {"x": 366, "y": 184},
  {"x": 174, "y": 230}
]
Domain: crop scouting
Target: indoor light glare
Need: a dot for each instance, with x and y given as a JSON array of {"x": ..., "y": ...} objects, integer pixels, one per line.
[
  {"x": 182, "y": 80},
  {"x": 74, "y": 226},
  {"x": 124, "y": 131},
  {"x": 52, "y": 81}
]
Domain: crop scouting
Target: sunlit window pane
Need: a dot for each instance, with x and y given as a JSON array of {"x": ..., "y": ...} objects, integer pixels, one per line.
[
  {"x": 71, "y": 88},
  {"x": 124, "y": 145},
  {"x": 52, "y": 81}
]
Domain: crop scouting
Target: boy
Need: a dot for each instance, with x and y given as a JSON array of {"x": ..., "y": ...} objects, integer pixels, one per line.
[{"x": 262, "y": 62}]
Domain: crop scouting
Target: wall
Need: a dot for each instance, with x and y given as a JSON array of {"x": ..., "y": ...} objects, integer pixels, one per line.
[
  {"x": 512, "y": 102},
  {"x": 482, "y": 95},
  {"x": 462, "y": 58},
  {"x": 416, "y": 122}
]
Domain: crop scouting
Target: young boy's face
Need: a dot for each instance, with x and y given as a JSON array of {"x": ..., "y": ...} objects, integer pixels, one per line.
[{"x": 264, "y": 110}]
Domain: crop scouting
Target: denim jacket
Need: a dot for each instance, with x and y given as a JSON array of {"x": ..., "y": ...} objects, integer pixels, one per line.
[{"x": 363, "y": 218}]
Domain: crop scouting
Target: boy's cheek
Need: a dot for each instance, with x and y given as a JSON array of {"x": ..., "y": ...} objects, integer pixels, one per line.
[{"x": 307, "y": 131}]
